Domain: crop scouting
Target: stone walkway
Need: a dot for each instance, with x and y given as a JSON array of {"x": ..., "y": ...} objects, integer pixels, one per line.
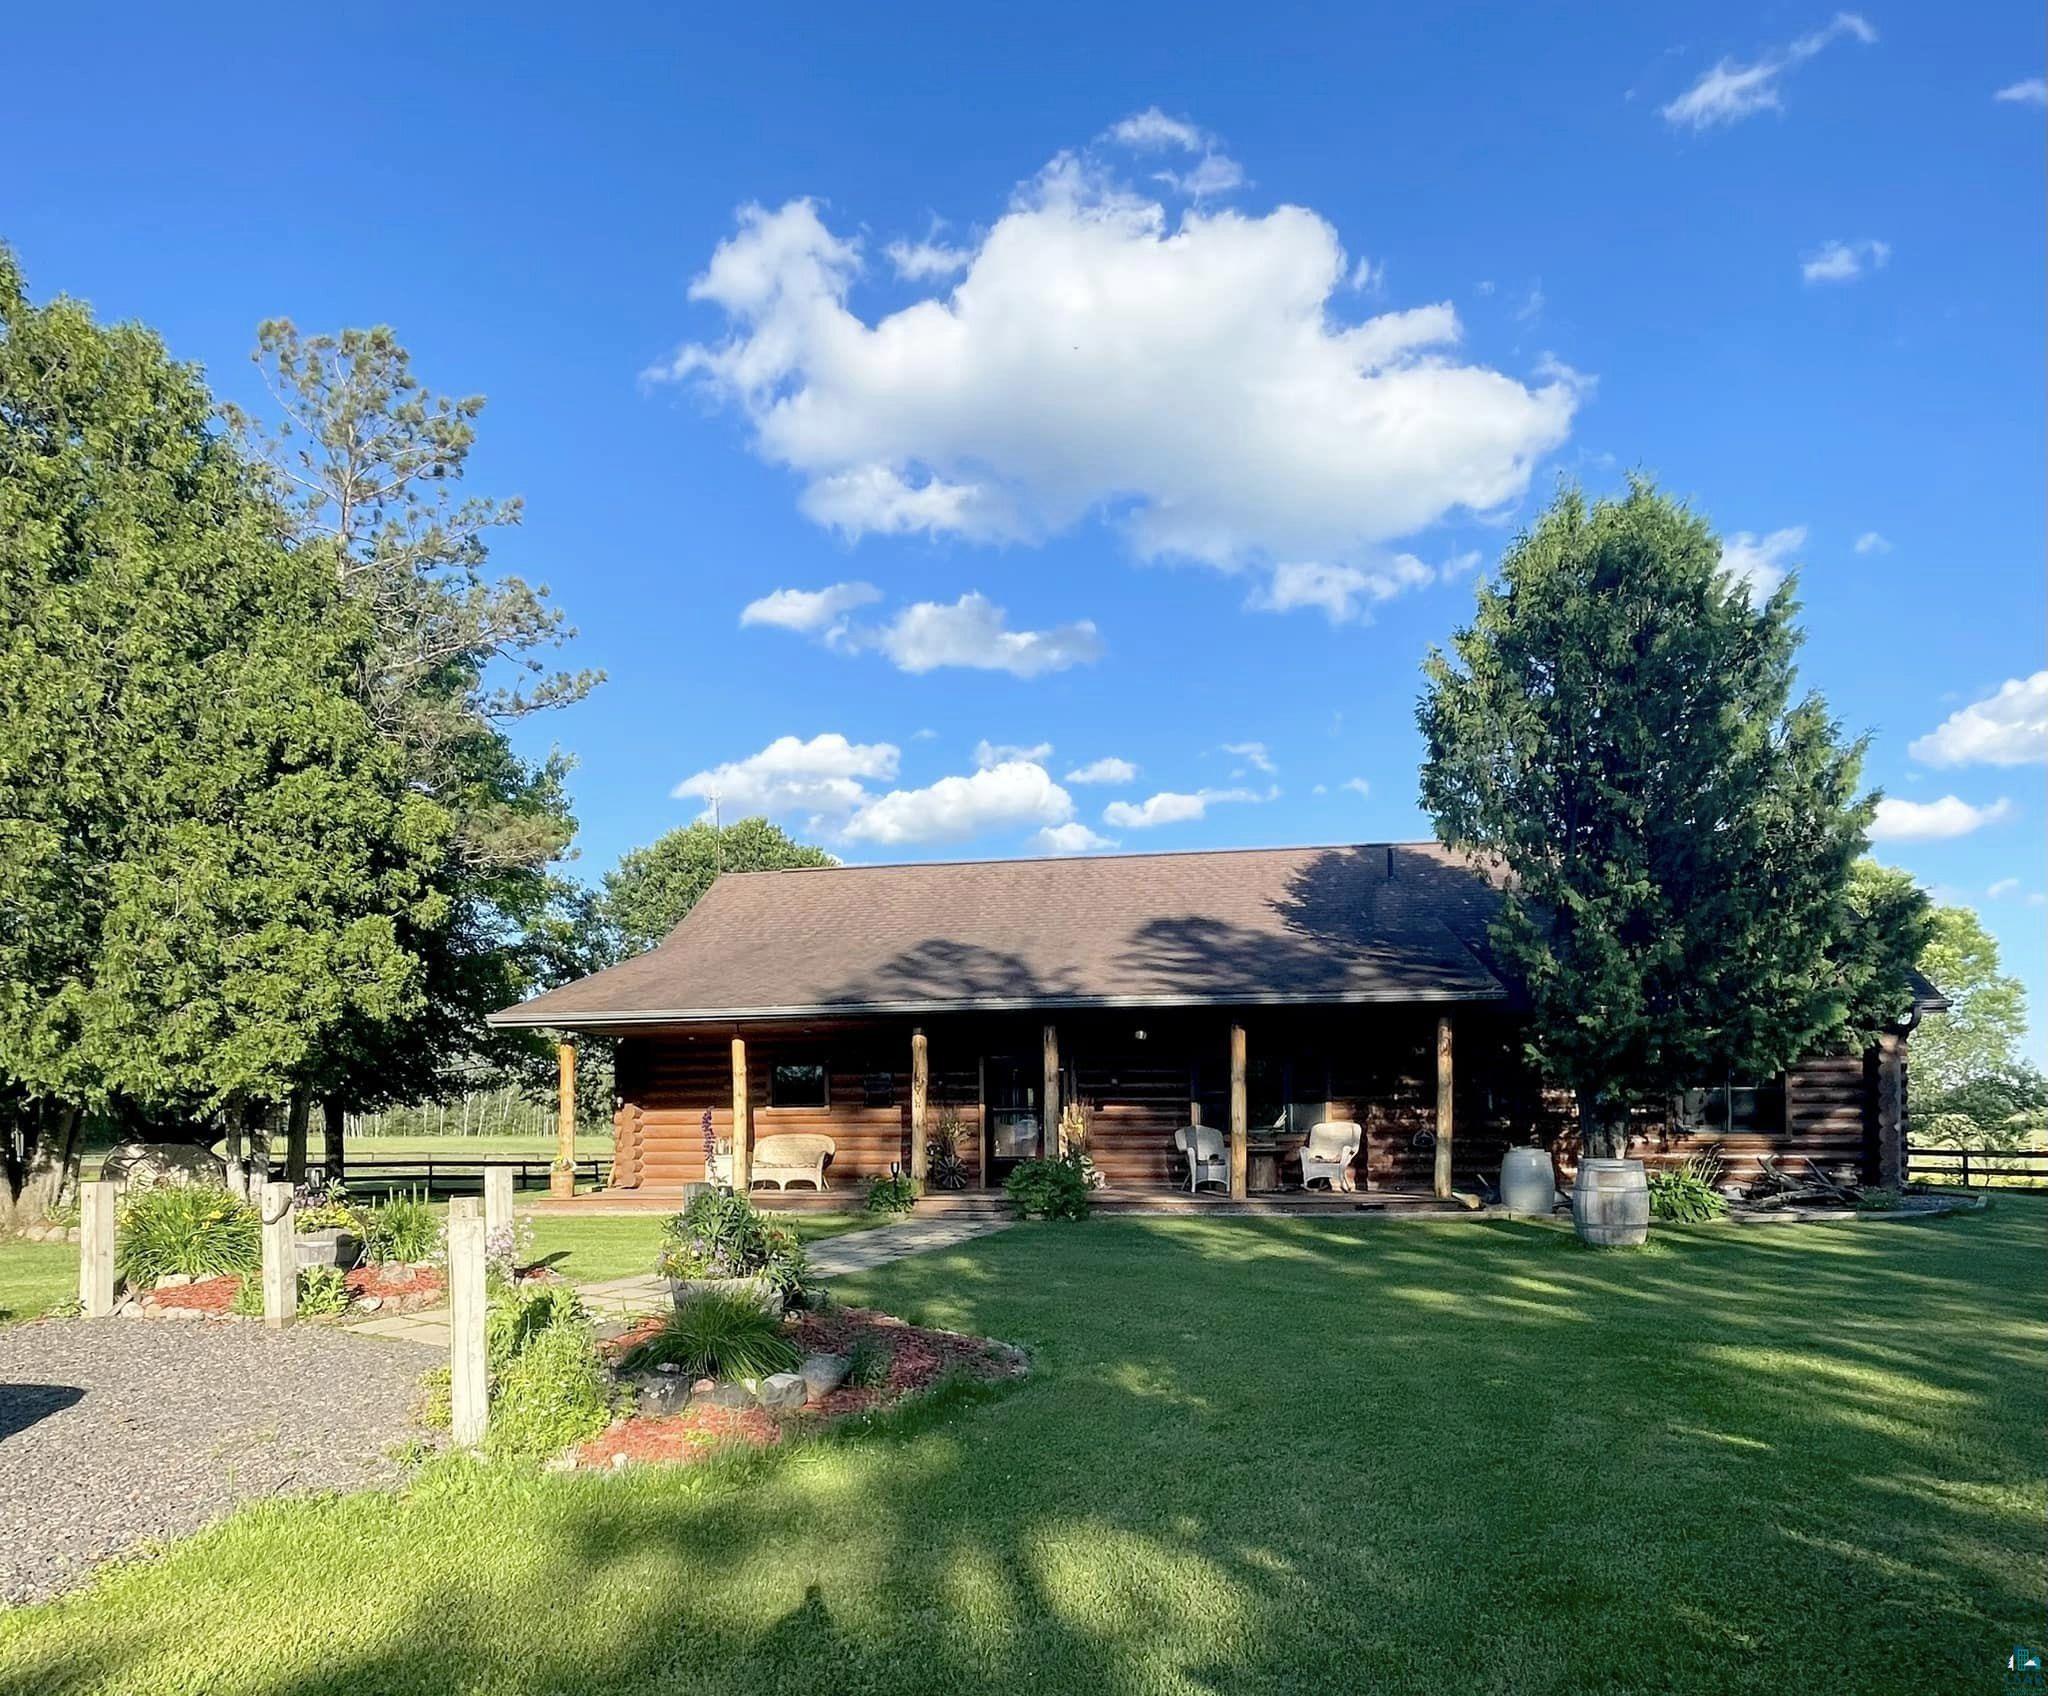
[{"x": 645, "y": 1292}]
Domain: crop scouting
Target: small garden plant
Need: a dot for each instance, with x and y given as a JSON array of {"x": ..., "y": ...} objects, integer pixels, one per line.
[
  {"x": 323, "y": 1292},
  {"x": 725, "y": 1236},
  {"x": 716, "y": 1335},
  {"x": 197, "y": 1230},
  {"x": 1685, "y": 1195},
  {"x": 893, "y": 1194},
  {"x": 1051, "y": 1189},
  {"x": 867, "y": 1364},
  {"x": 405, "y": 1228}
]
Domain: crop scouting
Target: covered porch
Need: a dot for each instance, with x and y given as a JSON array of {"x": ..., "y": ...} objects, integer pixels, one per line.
[{"x": 1433, "y": 1088}]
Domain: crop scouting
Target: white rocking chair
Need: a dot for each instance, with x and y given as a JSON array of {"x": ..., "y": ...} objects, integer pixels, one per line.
[{"x": 1208, "y": 1163}]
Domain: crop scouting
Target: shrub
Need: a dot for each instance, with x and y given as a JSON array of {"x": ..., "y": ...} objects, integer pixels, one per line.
[
  {"x": 196, "y": 1229},
  {"x": 717, "y": 1335},
  {"x": 554, "y": 1392},
  {"x": 323, "y": 1292},
  {"x": 1685, "y": 1195},
  {"x": 723, "y": 1236},
  {"x": 1050, "y": 1189},
  {"x": 248, "y": 1302},
  {"x": 405, "y": 1228},
  {"x": 517, "y": 1314},
  {"x": 1877, "y": 1201},
  {"x": 893, "y": 1194},
  {"x": 867, "y": 1364}
]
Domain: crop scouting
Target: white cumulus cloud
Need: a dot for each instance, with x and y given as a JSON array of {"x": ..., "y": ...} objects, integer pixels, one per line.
[
  {"x": 811, "y": 612},
  {"x": 1174, "y": 807},
  {"x": 1732, "y": 90},
  {"x": 921, "y": 261},
  {"x": 824, "y": 777},
  {"x": 1933, "y": 821},
  {"x": 1108, "y": 769},
  {"x": 1871, "y": 542},
  {"x": 2004, "y": 888},
  {"x": 1254, "y": 754},
  {"x": 2029, "y": 91},
  {"x": 1358, "y": 786},
  {"x": 987, "y": 753},
  {"x": 2008, "y": 728},
  {"x": 1152, "y": 131},
  {"x": 1761, "y": 562},
  {"x": 1016, "y": 792},
  {"x": 973, "y": 632},
  {"x": 1188, "y": 377},
  {"x": 1340, "y": 592},
  {"x": 1070, "y": 839},
  {"x": 1844, "y": 261}
]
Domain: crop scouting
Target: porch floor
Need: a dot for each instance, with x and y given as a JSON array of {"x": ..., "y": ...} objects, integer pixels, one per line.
[{"x": 1115, "y": 1199}]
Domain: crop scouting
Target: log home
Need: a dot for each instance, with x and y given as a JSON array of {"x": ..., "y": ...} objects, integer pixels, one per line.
[{"x": 1256, "y": 991}]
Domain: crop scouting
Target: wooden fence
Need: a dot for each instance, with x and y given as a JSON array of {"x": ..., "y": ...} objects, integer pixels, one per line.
[
  {"x": 2001, "y": 1168},
  {"x": 439, "y": 1175}
]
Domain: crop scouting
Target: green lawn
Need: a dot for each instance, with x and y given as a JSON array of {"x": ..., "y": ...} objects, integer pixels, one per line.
[
  {"x": 591, "y": 1249},
  {"x": 34, "y": 1277},
  {"x": 1257, "y": 1455}
]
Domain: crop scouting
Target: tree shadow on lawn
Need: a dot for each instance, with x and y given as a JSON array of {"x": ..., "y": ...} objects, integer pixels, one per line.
[{"x": 1256, "y": 1455}]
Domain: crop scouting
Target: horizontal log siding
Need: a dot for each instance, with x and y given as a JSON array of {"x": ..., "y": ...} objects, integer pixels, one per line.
[{"x": 1135, "y": 1103}]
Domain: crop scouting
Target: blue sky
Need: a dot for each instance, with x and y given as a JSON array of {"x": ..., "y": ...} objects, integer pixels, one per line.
[{"x": 1151, "y": 387}]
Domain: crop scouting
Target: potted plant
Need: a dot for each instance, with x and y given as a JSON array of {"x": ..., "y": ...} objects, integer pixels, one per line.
[
  {"x": 562, "y": 1178},
  {"x": 329, "y": 1231},
  {"x": 719, "y": 1243}
]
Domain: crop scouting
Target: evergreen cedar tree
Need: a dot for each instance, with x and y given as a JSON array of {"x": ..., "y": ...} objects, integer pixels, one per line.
[
  {"x": 212, "y": 868},
  {"x": 1617, "y": 726}
]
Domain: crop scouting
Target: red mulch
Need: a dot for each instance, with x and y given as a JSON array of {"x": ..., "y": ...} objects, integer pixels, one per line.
[
  {"x": 918, "y": 1359},
  {"x": 396, "y": 1292}
]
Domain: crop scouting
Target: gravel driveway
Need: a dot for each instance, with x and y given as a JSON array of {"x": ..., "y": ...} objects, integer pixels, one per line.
[{"x": 117, "y": 1430}]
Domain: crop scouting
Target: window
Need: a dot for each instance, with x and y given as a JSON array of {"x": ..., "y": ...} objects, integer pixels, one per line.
[
  {"x": 878, "y": 1089},
  {"x": 1735, "y": 1106},
  {"x": 798, "y": 1083}
]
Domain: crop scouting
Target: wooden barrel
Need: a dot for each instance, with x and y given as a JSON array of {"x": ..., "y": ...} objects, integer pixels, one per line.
[
  {"x": 1611, "y": 1203},
  {"x": 1528, "y": 1182}
]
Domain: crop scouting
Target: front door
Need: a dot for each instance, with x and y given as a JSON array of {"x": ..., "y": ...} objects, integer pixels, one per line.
[{"x": 1009, "y": 1099}]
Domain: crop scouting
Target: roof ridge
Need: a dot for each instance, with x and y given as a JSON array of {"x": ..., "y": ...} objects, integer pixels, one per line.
[{"x": 1086, "y": 859}]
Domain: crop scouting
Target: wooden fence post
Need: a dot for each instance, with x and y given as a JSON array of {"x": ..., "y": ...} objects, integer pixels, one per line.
[
  {"x": 562, "y": 1177},
  {"x": 1049, "y": 1116},
  {"x": 741, "y": 1166},
  {"x": 96, "y": 1249},
  {"x": 497, "y": 1201},
  {"x": 280, "y": 1256},
  {"x": 469, "y": 1374},
  {"x": 1444, "y": 1095}
]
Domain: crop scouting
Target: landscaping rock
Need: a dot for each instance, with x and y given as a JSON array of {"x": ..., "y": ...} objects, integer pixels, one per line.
[
  {"x": 781, "y": 1390},
  {"x": 144, "y": 1165},
  {"x": 728, "y": 1395},
  {"x": 657, "y": 1395},
  {"x": 370, "y": 1304},
  {"x": 174, "y": 1280},
  {"x": 822, "y": 1374}
]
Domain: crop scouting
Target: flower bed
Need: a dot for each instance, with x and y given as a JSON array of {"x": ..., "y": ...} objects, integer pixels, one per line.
[
  {"x": 394, "y": 1289},
  {"x": 918, "y": 1359}
]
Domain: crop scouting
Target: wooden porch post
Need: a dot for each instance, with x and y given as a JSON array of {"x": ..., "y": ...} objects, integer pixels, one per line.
[
  {"x": 1240, "y": 1185},
  {"x": 1049, "y": 1111},
  {"x": 562, "y": 1178},
  {"x": 920, "y": 1096},
  {"x": 1443, "y": 1107},
  {"x": 742, "y": 1121}
]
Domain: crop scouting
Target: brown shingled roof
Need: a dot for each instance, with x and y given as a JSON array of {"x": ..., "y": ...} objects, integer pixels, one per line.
[{"x": 1374, "y": 922}]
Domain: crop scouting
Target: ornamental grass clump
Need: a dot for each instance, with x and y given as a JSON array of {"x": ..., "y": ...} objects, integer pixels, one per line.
[
  {"x": 405, "y": 1228},
  {"x": 716, "y": 1335},
  {"x": 199, "y": 1230},
  {"x": 723, "y": 1236}
]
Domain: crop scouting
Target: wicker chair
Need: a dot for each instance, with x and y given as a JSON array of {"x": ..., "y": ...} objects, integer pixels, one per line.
[
  {"x": 1208, "y": 1161},
  {"x": 793, "y": 1157},
  {"x": 1331, "y": 1147}
]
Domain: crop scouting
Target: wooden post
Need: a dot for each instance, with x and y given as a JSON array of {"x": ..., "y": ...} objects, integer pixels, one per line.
[
  {"x": 562, "y": 1175},
  {"x": 469, "y": 1375},
  {"x": 1890, "y": 1117},
  {"x": 1240, "y": 1135},
  {"x": 96, "y": 1248},
  {"x": 1049, "y": 1104},
  {"x": 742, "y": 1121},
  {"x": 1444, "y": 1126},
  {"x": 920, "y": 1098},
  {"x": 280, "y": 1256},
  {"x": 498, "y": 1201}
]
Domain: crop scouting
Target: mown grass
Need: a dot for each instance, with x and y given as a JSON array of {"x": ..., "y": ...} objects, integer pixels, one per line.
[
  {"x": 590, "y": 1249},
  {"x": 34, "y": 1277},
  {"x": 1255, "y": 1455}
]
